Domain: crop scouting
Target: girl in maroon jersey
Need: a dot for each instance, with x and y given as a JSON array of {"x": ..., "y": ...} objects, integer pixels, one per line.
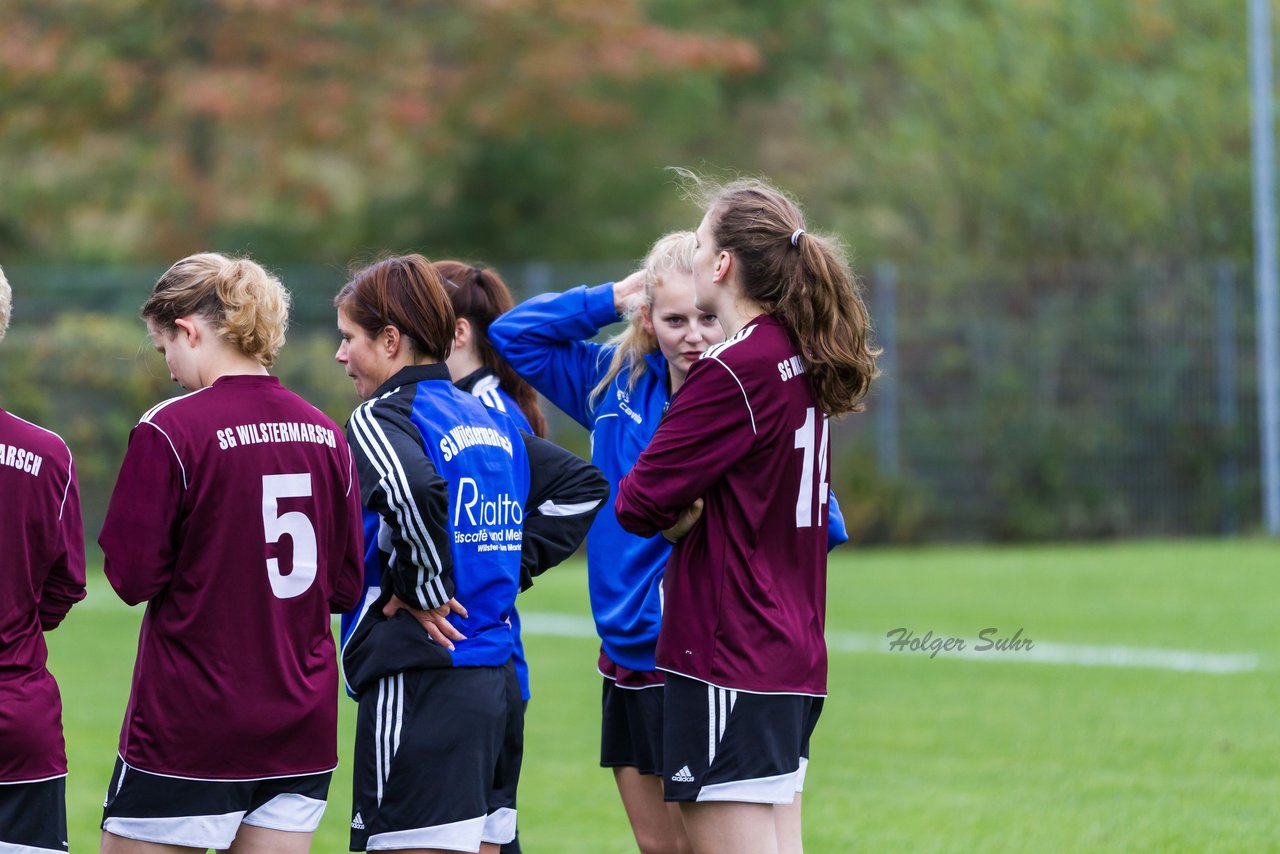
[
  {"x": 41, "y": 577},
  {"x": 737, "y": 473},
  {"x": 236, "y": 517}
]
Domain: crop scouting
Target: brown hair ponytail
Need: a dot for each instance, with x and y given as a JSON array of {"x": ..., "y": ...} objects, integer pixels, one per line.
[
  {"x": 802, "y": 279},
  {"x": 479, "y": 294}
]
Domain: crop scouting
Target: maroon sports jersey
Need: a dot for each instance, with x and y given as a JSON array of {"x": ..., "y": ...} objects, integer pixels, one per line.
[
  {"x": 41, "y": 577},
  {"x": 745, "y": 590},
  {"x": 236, "y": 516}
]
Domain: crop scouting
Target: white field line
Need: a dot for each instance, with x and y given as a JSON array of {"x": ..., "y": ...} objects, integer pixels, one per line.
[{"x": 1041, "y": 652}]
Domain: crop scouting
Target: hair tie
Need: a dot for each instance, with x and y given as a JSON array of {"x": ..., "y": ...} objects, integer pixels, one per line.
[{"x": 795, "y": 236}]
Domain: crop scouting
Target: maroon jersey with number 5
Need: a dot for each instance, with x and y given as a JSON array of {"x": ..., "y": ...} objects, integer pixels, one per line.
[
  {"x": 745, "y": 589},
  {"x": 41, "y": 577},
  {"x": 237, "y": 519}
]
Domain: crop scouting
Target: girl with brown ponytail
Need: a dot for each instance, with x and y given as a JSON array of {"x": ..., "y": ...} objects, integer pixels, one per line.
[
  {"x": 802, "y": 279},
  {"x": 737, "y": 475},
  {"x": 478, "y": 296}
]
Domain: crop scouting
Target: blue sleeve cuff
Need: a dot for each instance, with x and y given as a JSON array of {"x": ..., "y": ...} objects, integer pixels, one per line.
[{"x": 600, "y": 310}]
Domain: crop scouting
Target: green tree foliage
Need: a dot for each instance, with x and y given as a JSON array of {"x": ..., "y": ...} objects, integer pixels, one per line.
[
  {"x": 1001, "y": 130},
  {"x": 319, "y": 128},
  {"x": 962, "y": 131}
]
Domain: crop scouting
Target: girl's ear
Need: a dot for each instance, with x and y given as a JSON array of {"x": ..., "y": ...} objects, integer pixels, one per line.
[
  {"x": 646, "y": 317},
  {"x": 724, "y": 263},
  {"x": 188, "y": 328},
  {"x": 390, "y": 340},
  {"x": 461, "y": 334}
]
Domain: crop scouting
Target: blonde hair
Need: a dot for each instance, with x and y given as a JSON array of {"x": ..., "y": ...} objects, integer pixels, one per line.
[
  {"x": 6, "y": 304},
  {"x": 247, "y": 306},
  {"x": 671, "y": 253}
]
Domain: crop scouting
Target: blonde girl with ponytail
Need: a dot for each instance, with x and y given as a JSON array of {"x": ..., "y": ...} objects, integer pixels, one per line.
[
  {"x": 618, "y": 391},
  {"x": 236, "y": 517},
  {"x": 232, "y": 305}
]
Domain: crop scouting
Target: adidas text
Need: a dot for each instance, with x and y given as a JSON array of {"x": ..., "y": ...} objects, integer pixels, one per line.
[{"x": 684, "y": 775}]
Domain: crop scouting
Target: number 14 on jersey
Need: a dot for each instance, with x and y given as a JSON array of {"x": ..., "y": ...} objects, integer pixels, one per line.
[{"x": 812, "y": 436}]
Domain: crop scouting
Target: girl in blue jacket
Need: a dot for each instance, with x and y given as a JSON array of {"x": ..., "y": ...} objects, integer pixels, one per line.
[{"x": 478, "y": 295}]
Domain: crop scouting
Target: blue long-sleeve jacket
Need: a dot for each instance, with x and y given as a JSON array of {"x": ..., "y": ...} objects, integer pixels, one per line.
[
  {"x": 483, "y": 384},
  {"x": 546, "y": 341}
]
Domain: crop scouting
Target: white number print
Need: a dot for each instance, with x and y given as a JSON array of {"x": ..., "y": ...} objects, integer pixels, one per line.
[
  {"x": 293, "y": 524},
  {"x": 808, "y": 441}
]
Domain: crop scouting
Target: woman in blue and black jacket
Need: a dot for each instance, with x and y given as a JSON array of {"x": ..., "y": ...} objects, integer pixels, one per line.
[
  {"x": 461, "y": 509},
  {"x": 619, "y": 391}
]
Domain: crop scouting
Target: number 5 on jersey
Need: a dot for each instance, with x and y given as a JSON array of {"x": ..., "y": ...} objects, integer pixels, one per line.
[
  {"x": 807, "y": 439},
  {"x": 296, "y": 526}
]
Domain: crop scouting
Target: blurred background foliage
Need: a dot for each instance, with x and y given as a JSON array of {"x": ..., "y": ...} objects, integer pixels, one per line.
[
  {"x": 1055, "y": 181},
  {"x": 966, "y": 131}
]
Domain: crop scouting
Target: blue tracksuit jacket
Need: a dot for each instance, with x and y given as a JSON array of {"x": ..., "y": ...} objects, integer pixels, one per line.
[
  {"x": 484, "y": 385},
  {"x": 459, "y": 503}
]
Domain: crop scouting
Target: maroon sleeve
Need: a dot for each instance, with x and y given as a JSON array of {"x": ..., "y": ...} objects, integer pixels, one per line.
[
  {"x": 708, "y": 428},
  {"x": 349, "y": 580},
  {"x": 140, "y": 534},
  {"x": 64, "y": 586}
]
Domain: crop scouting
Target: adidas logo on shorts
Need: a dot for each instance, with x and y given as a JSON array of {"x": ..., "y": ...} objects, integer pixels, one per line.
[
  {"x": 684, "y": 775},
  {"x": 357, "y": 823}
]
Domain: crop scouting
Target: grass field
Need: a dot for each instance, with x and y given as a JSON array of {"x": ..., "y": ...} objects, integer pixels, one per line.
[{"x": 989, "y": 752}]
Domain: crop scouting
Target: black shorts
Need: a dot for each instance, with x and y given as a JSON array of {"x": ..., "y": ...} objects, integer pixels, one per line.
[
  {"x": 725, "y": 745},
  {"x": 631, "y": 727},
  {"x": 501, "y": 821},
  {"x": 427, "y": 755},
  {"x": 208, "y": 813},
  {"x": 33, "y": 816}
]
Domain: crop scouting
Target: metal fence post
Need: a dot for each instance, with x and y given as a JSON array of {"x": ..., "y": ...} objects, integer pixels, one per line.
[
  {"x": 1264, "y": 216},
  {"x": 884, "y": 311}
]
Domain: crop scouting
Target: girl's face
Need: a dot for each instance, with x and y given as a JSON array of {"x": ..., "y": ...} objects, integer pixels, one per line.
[
  {"x": 684, "y": 333},
  {"x": 365, "y": 362},
  {"x": 179, "y": 353}
]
